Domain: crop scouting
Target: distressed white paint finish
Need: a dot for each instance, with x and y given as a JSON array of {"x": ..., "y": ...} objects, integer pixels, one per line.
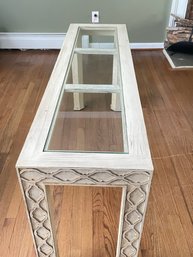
[
  {"x": 95, "y": 51},
  {"x": 135, "y": 186},
  {"x": 132, "y": 170},
  {"x": 95, "y": 88},
  {"x": 77, "y": 78},
  {"x": 115, "y": 98}
]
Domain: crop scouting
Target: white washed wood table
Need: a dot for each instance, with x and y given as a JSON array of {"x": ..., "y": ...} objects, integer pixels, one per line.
[{"x": 45, "y": 161}]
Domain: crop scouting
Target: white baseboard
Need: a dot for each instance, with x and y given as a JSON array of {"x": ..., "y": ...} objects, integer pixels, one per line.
[
  {"x": 147, "y": 45},
  {"x": 31, "y": 40},
  {"x": 53, "y": 41}
]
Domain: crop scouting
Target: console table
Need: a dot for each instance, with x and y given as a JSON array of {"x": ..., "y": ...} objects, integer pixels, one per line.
[{"x": 58, "y": 148}]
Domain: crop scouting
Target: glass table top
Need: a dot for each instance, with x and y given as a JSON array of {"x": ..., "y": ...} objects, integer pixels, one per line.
[{"x": 89, "y": 116}]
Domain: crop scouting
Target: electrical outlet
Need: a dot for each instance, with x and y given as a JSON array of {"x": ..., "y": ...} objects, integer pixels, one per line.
[{"x": 95, "y": 16}]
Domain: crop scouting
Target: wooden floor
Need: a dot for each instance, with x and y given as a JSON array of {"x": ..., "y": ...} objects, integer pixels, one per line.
[
  {"x": 92, "y": 213},
  {"x": 167, "y": 101}
]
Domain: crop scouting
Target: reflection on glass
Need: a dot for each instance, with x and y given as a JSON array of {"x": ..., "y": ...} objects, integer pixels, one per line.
[{"x": 89, "y": 114}]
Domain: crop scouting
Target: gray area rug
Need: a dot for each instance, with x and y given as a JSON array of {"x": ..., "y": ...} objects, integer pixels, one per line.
[{"x": 179, "y": 60}]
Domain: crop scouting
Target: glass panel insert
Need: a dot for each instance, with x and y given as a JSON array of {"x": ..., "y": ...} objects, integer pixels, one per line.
[
  {"x": 89, "y": 115},
  {"x": 95, "y": 128}
]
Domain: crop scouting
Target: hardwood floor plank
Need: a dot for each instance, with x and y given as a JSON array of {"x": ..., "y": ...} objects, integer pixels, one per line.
[
  {"x": 157, "y": 141},
  {"x": 176, "y": 131},
  {"x": 18, "y": 236},
  {"x": 3, "y": 158},
  {"x": 5, "y": 236},
  {"x": 188, "y": 195},
  {"x": 183, "y": 168},
  {"x": 13, "y": 208},
  {"x": 93, "y": 216},
  {"x": 183, "y": 199}
]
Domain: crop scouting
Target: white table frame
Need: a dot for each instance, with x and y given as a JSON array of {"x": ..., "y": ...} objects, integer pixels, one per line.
[{"x": 131, "y": 170}]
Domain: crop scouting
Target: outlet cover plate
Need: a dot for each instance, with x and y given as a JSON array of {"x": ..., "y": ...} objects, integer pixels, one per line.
[{"x": 95, "y": 16}]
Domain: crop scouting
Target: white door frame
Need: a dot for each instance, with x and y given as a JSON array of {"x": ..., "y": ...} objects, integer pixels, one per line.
[{"x": 179, "y": 8}]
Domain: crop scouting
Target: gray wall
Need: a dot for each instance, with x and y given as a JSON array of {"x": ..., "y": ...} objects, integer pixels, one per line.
[{"x": 146, "y": 19}]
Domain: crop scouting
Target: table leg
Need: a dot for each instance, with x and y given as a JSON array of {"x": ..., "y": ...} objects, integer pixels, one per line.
[
  {"x": 115, "y": 98},
  {"x": 135, "y": 184}
]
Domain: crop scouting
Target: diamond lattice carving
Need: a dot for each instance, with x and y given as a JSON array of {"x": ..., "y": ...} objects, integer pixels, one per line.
[
  {"x": 35, "y": 194},
  {"x": 129, "y": 251},
  {"x": 46, "y": 249},
  {"x": 68, "y": 175},
  {"x": 39, "y": 215},
  {"x": 34, "y": 180},
  {"x": 33, "y": 176},
  {"x": 134, "y": 217},
  {"x": 136, "y": 195},
  {"x": 138, "y": 177},
  {"x": 43, "y": 233},
  {"x": 132, "y": 235},
  {"x": 103, "y": 177}
]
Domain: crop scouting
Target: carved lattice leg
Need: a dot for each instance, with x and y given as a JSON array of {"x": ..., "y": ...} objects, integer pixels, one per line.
[
  {"x": 137, "y": 184},
  {"x": 37, "y": 209}
]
